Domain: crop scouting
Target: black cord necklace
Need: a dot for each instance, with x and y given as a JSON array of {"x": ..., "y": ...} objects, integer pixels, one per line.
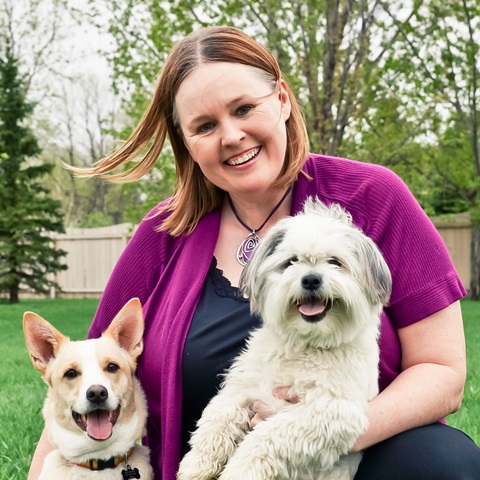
[{"x": 247, "y": 246}]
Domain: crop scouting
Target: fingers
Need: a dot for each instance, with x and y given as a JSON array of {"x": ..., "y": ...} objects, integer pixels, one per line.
[
  {"x": 262, "y": 410},
  {"x": 282, "y": 394}
]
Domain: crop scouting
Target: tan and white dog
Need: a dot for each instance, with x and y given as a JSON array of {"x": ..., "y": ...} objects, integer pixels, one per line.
[{"x": 95, "y": 410}]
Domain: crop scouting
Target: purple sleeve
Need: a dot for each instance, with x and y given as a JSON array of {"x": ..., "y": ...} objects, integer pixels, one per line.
[{"x": 424, "y": 278}]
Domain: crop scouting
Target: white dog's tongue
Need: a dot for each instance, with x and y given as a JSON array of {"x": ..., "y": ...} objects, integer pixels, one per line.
[
  {"x": 99, "y": 426},
  {"x": 312, "y": 307}
]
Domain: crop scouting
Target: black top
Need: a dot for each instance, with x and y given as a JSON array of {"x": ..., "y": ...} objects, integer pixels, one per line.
[{"x": 219, "y": 328}]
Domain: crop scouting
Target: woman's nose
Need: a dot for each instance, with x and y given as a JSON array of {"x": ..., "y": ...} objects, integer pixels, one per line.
[{"x": 232, "y": 133}]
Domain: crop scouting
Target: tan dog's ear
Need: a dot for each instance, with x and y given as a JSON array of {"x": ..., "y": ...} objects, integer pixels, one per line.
[
  {"x": 43, "y": 340},
  {"x": 127, "y": 328}
]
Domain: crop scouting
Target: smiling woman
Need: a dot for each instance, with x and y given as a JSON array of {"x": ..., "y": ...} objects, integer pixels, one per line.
[{"x": 241, "y": 153}]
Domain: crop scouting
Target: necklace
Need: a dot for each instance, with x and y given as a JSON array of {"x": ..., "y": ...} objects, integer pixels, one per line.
[{"x": 249, "y": 243}]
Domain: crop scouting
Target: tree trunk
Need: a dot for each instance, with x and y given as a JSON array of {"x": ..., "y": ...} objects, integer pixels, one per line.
[
  {"x": 13, "y": 293},
  {"x": 475, "y": 263}
]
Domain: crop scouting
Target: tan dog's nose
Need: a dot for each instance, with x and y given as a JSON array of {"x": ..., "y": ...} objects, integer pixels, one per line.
[{"x": 97, "y": 394}]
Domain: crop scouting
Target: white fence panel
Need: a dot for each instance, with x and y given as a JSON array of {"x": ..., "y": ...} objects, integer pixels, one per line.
[{"x": 91, "y": 256}]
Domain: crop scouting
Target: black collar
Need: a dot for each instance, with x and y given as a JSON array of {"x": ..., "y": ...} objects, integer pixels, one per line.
[{"x": 100, "y": 464}]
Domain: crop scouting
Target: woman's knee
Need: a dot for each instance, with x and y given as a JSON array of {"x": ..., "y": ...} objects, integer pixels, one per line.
[{"x": 434, "y": 452}]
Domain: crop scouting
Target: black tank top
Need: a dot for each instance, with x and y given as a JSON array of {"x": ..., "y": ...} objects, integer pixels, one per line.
[{"x": 219, "y": 328}]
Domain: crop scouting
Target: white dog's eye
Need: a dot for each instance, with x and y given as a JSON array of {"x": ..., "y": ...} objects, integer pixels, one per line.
[
  {"x": 334, "y": 261},
  {"x": 290, "y": 262}
]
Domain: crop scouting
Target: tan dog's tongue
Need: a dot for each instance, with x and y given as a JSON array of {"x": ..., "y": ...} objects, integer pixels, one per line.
[
  {"x": 99, "y": 426},
  {"x": 312, "y": 307}
]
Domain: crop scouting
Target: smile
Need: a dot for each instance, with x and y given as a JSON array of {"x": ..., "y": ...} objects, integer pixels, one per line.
[
  {"x": 244, "y": 158},
  {"x": 98, "y": 423},
  {"x": 313, "y": 309}
]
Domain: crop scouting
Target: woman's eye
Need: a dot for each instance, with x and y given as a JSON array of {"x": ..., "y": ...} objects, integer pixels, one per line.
[
  {"x": 334, "y": 261},
  {"x": 244, "y": 110},
  {"x": 205, "y": 128}
]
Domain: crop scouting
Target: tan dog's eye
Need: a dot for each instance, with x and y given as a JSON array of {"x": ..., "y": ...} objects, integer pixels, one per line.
[
  {"x": 112, "y": 367},
  {"x": 70, "y": 374}
]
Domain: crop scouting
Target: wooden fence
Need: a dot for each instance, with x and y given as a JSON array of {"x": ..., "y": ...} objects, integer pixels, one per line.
[
  {"x": 93, "y": 252},
  {"x": 457, "y": 235},
  {"x": 91, "y": 256}
]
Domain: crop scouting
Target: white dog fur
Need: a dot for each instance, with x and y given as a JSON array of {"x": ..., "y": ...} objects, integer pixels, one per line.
[
  {"x": 95, "y": 408},
  {"x": 319, "y": 285}
]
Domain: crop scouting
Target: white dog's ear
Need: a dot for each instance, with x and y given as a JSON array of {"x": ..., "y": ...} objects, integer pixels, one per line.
[
  {"x": 252, "y": 283},
  {"x": 127, "y": 328},
  {"x": 42, "y": 339},
  {"x": 377, "y": 276}
]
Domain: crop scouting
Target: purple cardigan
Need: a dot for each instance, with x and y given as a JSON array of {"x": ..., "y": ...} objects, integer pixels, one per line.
[{"x": 168, "y": 273}]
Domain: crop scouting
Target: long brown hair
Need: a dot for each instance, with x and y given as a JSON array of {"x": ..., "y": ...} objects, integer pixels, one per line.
[{"x": 194, "y": 195}]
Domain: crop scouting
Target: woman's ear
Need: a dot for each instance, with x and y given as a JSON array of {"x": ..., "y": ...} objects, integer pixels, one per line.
[{"x": 284, "y": 98}]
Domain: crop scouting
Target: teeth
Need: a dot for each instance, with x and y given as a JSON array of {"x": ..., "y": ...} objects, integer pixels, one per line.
[{"x": 244, "y": 158}]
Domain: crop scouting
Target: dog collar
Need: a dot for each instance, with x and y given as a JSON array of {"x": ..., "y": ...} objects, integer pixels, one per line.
[{"x": 112, "y": 462}]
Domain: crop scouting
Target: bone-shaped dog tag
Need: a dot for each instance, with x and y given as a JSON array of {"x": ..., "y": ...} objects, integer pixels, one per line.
[{"x": 130, "y": 473}]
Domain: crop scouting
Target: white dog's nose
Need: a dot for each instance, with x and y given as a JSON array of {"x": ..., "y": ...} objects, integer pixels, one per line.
[
  {"x": 97, "y": 394},
  {"x": 311, "y": 282}
]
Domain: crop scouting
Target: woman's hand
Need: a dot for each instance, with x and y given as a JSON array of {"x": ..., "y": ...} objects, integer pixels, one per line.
[{"x": 263, "y": 411}]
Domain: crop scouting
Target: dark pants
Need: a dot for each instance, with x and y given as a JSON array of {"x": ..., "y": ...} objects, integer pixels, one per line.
[{"x": 434, "y": 452}]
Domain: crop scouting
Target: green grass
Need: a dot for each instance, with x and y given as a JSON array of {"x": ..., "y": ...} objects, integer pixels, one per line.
[
  {"x": 23, "y": 390},
  {"x": 468, "y": 417}
]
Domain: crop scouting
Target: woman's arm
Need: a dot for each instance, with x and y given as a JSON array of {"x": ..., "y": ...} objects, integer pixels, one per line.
[
  {"x": 44, "y": 447},
  {"x": 431, "y": 384}
]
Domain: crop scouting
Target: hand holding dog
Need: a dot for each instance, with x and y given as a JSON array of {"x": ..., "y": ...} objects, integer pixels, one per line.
[{"x": 263, "y": 411}]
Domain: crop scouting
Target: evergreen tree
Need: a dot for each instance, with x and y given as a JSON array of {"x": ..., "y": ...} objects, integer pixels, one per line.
[{"x": 27, "y": 214}]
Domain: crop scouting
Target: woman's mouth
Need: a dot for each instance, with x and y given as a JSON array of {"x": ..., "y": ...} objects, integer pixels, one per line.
[{"x": 234, "y": 161}]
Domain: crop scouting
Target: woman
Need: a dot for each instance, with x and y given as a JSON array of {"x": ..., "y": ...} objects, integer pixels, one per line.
[{"x": 241, "y": 151}]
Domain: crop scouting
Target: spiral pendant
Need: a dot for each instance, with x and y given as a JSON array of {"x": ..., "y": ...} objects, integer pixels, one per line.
[{"x": 247, "y": 247}]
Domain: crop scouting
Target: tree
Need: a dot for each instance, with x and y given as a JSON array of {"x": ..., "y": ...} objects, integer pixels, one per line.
[
  {"x": 324, "y": 48},
  {"x": 440, "y": 62},
  {"x": 394, "y": 83},
  {"x": 87, "y": 118},
  {"x": 27, "y": 256}
]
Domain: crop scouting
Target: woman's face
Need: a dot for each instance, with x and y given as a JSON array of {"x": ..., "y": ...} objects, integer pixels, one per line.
[{"x": 232, "y": 121}]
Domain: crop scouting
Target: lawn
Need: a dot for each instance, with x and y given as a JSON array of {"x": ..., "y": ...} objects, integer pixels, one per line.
[
  {"x": 468, "y": 417},
  {"x": 23, "y": 390}
]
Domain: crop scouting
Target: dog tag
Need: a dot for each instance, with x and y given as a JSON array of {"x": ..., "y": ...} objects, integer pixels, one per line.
[{"x": 130, "y": 473}]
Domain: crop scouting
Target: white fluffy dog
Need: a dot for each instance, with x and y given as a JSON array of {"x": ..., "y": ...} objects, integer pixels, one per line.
[{"x": 319, "y": 285}]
